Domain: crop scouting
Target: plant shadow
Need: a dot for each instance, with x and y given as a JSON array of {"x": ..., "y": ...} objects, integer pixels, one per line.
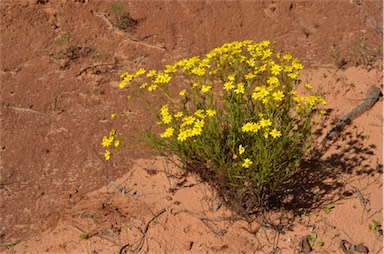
[{"x": 321, "y": 182}]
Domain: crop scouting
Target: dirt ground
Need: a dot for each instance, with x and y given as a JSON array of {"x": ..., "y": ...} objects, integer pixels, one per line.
[{"x": 60, "y": 66}]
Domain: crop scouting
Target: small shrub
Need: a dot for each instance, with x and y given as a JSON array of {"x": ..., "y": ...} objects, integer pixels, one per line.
[
  {"x": 376, "y": 227},
  {"x": 83, "y": 236},
  {"x": 65, "y": 38},
  {"x": 121, "y": 19},
  {"x": 365, "y": 55},
  {"x": 234, "y": 117}
]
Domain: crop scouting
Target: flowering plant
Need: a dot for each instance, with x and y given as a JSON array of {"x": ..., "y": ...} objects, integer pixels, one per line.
[{"x": 234, "y": 117}]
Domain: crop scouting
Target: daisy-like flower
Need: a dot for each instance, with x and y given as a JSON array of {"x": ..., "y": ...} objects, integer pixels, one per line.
[
  {"x": 168, "y": 133},
  {"x": 247, "y": 163},
  {"x": 205, "y": 88},
  {"x": 141, "y": 71},
  {"x": 210, "y": 112},
  {"x": 240, "y": 88},
  {"x": 265, "y": 122},
  {"x": 275, "y": 69},
  {"x": 228, "y": 86},
  {"x": 278, "y": 96},
  {"x": 275, "y": 133},
  {"x": 182, "y": 136}
]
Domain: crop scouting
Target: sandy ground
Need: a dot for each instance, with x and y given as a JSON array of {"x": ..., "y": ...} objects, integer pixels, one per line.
[{"x": 60, "y": 65}]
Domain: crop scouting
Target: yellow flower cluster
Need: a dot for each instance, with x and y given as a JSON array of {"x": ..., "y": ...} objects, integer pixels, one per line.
[
  {"x": 253, "y": 127},
  {"x": 235, "y": 76},
  {"x": 129, "y": 77},
  {"x": 307, "y": 103},
  {"x": 189, "y": 126},
  {"x": 165, "y": 116},
  {"x": 108, "y": 141}
]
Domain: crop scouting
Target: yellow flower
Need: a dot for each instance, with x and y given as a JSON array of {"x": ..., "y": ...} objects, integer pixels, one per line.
[
  {"x": 162, "y": 78},
  {"x": 247, "y": 127},
  {"x": 152, "y": 87},
  {"x": 123, "y": 75},
  {"x": 251, "y": 62},
  {"x": 113, "y": 116},
  {"x": 265, "y": 122},
  {"x": 231, "y": 77},
  {"x": 275, "y": 69},
  {"x": 273, "y": 81},
  {"x": 170, "y": 68},
  {"x": 249, "y": 76},
  {"x": 260, "y": 93},
  {"x": 198, "y": 71},
  {"x": 247, "y": 163},
  {"x": 196, "y": 131},
  {"x": 275, "y": 133},
  {"x": 182, "y": 92},
  {"x": 182, "y": 136},
  {"x": 240, "y": 88},
  {"x": 210, "y": 112},
  {"x": 151, "y": 73},
  {"x": 168, "y": 133},
  {"x": 322, "y": 101},
  {"x": 278, "y": 96},
  {"x": 164, "y": 110},
  {"x": 287, "y": 57},
  {"x": 199, "y": 123},
  {"x": 298, "y": 98},
  {"x": 267, "y": 53},
  {"x": 122, "y": 84},
  {"x": 178, "y": 114},
  {"x": 211, "y": 54},
  {"x": 144, "y": 85},
  {"x": 187, "y": 121},
  {"x": 140, "y": 72},
  {"x": 296, "y": 65},
  {"x": 167, "y": 119},
  {"x": 228, "y": 86},
  {"x": 251, "y": 127},
  {"x": 106, "y": 141},
  {"x": 107, "y": 155},
  {"x": 200, "y": 113},
  {"x": 205, "y": 88},
  {"x": 117, "y": 143},
  {"x": 308, "y": 86},
  {"x": 262, "y": 68},
  {"x": 288, "y": 69},
  {"x": 241, "y": 149}
]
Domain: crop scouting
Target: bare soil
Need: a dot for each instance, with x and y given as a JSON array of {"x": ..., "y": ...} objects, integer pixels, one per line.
[{"x": 60, "y": 66}]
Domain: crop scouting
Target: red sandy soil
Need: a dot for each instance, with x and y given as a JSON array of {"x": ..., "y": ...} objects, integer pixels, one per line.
[{"x": 57, "y": 96}]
